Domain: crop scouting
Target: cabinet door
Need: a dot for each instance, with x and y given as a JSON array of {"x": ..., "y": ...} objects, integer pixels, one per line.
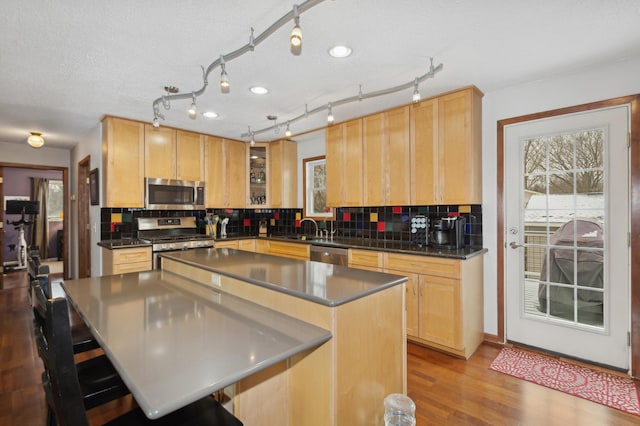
[
  {"x": 397, "y": 162},
  {"x": 214, "y": 166},
  {"x": 460, "y": 155},
  {"x": 424, "y": 152},
  {"x": 440, "y": 311},
  {"x": 412, "y": 304},
  {"x": 122, "y": 163},
  {"x": 247, "y": 245},
  {"x": 374, "y": 155},
  {"x": 159, "y": 152},
  {"x": 189, "y": 155},
  {"x": 352, "y": 164},
  {"x": 334, "y": 155},
  {"x": 274, "y": 174},
  {"x": 235, "y": 173}
]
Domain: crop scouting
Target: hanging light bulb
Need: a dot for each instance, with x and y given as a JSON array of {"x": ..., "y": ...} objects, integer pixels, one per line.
[
  {"x": 287, "y": 132},
  {"x": 296, "y": 33},
  {"x": 416, "y": 93},
  {"x": 35, "y": 139},
  {"x": 156, "y": 122},
  {"x": 193, "y": 110},
  {"x": 225, "y": 86},
  {"x": 330, "y": 116},
  {"x": 253, "y": 140}
]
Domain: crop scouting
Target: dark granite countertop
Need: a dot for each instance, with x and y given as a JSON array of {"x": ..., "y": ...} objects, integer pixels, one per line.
[
  {"x": 403, "y": 247},
  {"x": 124, "y": 243}
]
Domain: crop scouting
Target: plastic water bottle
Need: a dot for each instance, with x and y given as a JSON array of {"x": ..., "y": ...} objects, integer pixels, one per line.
[{"x": 399, "y": 410}]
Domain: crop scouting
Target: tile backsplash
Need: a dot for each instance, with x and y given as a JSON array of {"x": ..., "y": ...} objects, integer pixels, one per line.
[{"x": 381, "y": 223}]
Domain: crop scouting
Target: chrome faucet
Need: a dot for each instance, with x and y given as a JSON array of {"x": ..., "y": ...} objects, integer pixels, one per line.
[{"x": 314, "y": 223}]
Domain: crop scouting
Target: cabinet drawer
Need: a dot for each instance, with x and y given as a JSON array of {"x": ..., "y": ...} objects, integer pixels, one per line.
[
  {"x": 121, "y": 256},
  {"x": 226, "y": 244},
  {"x": 299, "y": 251},
  {"x": 123, "y": 268},
  {"x": 247, "y": 245},
  {"x": 448, "y": 268},
  {"x": 372, "y": 259}
]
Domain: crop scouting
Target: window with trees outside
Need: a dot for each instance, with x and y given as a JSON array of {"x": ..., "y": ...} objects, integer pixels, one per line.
[
  {"x": 315, "y": 189},
  {"x": 55, "y": 201}
]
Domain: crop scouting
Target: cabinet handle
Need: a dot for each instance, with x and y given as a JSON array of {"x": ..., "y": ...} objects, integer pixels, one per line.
[{"x": 414, "y": 290}]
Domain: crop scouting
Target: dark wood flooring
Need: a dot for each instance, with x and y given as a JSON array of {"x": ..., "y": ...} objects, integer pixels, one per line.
[{"x": 446, "y": 390}]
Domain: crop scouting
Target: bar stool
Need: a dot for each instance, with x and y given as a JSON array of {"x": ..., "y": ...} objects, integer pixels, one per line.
[{"x": 96, "y": 379}]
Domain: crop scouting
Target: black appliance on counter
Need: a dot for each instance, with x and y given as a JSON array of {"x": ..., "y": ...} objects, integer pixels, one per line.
[
  {"x": 447, "y": 232},
  {"x": 171, "y": 234}
]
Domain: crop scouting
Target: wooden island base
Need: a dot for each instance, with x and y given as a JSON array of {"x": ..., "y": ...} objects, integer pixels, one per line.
[{"x": 343, "y": 381}]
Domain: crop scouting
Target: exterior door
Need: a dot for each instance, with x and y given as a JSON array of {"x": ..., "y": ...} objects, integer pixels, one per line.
[{"x": 567, "y": 270}]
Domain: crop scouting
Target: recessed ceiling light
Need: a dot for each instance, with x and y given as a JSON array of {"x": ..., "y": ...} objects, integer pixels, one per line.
[
  {"x": 209, "y": 114},
  {"x": 340, "y": 51},
  {"x": 259, "y": 90}
]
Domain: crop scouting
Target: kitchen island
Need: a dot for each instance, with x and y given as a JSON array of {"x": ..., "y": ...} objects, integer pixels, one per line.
[{"x": 345, "y": 380}]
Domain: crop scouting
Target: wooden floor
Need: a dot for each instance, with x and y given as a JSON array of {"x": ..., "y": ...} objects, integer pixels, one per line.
[{"x": 446, "y": 390}]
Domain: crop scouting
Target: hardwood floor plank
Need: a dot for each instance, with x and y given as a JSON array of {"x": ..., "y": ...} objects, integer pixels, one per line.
[{"x": 446, "y": 390}]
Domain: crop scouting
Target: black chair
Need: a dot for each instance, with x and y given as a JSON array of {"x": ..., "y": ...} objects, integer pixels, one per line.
[
  {"x": 83, "y": 340},
  {"x": 96, "y": 379},
  {"x": 62, "y": 382}
]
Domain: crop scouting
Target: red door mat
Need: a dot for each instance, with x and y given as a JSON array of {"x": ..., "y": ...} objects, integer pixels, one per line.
[{"x": 597, "y": 386}]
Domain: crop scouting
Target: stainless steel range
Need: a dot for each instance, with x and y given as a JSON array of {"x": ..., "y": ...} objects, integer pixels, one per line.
[{"x": 171, "y": 234}]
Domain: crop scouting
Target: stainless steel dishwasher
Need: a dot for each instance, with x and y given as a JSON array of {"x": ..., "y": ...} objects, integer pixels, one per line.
[{"x": 333, "y": 255}]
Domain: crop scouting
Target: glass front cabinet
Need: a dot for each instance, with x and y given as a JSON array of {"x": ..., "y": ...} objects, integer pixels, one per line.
[
  {"x": 257, "y": 169},
  {"x": 272, "y": 175}
]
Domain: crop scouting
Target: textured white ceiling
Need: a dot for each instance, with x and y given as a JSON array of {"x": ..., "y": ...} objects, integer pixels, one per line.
[{"x": 64, "y": 64}]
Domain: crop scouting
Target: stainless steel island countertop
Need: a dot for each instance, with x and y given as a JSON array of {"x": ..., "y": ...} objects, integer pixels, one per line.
[
  {"x": 174, "y": 341},
  {"x": 329, "y": 285}
]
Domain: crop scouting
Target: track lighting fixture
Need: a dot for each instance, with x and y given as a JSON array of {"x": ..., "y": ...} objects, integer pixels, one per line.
[
  {"x": 360, "y": 96},
  {"x": 330, "y": 115},
  {"x": 193, "y": 110},
  {"x": 416, "y": 93},
  {"x": 287, "y": 132},
  {"x": 254, "y": 41},
  {"x": 225, "y": 86},
  {"x": 35, "y": 139},
  {"x": 156, "y": 122},
  {"x": 296, "y": 33},
  {"x": 253, "y": 140}
]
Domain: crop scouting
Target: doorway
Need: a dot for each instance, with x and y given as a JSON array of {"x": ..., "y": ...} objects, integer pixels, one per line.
[
  {"x": 566, "y": 226},
  {"x": 59, "y": 176}
]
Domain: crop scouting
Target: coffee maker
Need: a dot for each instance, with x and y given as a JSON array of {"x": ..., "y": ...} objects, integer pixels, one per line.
[{"x": 447, "y": 232}]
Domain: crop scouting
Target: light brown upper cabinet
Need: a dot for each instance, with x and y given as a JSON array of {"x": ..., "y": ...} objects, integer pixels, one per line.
[
  {"x": 344, "y": 164},
  {"x": 122, "y": 163},
  {"x": 446, "y": 150},
  {"x": 283, "y": 174},
  {"x": 173, "y": 154},
  {"x": 225, "y": 174},
  {"x": 386, "y": 158},
  {"x": 159, "y": 152},
  {"x": 189, "y": 156}
]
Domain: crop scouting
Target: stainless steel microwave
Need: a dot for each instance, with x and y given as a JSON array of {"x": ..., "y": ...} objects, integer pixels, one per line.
[{"x": 173, "y": 194}]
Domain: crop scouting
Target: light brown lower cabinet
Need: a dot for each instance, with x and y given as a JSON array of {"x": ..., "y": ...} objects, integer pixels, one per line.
[
  {"x": 444, "y": 301},
  {"x": 291, "y": 250},
  {"x": 226, "y": 244},
  {"x": 121, "y": 261}
]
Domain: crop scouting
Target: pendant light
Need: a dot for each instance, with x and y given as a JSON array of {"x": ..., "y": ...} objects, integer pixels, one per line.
[
  {"x": 296, "y": 33},
  {"x": 35, "y": 140},
  {"x": 193, "y": 110}
]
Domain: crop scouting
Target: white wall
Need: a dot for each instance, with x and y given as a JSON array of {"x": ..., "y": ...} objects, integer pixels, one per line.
[
  {"x": 25, "y": 154},
  {"x": 589, "y": 85}
]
